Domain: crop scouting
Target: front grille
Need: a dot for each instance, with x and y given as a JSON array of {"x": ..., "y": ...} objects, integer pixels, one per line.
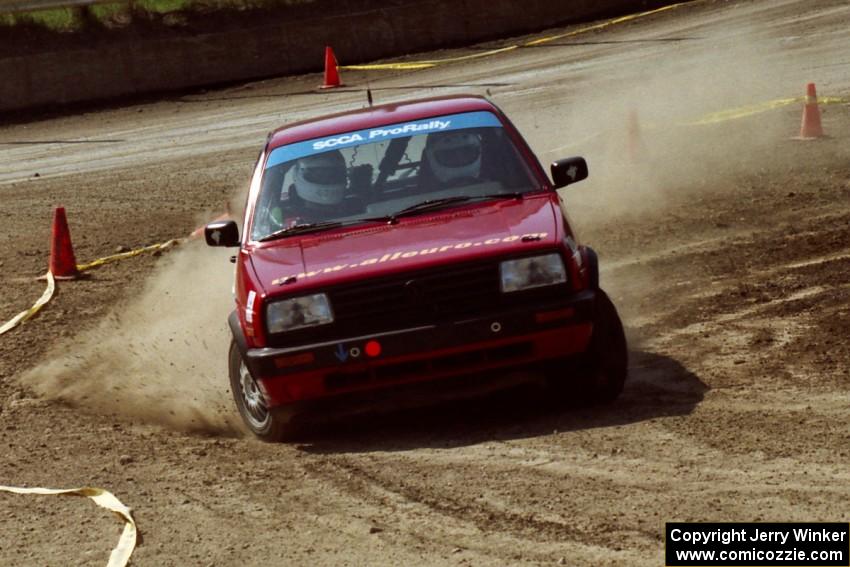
[{"x": 412, "y": 299}]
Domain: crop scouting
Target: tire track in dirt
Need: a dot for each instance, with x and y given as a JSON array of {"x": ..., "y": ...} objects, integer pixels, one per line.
[{"x": 492, "y": 533}]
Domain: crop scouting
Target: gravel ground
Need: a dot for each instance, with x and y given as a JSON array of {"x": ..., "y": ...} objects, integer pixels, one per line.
[{"x": 726, "y": 248}]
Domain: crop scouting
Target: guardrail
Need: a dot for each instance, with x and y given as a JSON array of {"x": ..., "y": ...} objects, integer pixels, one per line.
[{"x": 17, "y": 6}]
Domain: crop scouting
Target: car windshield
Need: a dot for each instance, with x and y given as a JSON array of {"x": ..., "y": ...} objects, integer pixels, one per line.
[{"x": 376, "y": 173}]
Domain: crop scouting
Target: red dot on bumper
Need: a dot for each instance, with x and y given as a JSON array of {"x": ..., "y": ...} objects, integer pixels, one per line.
[{"x": 373, "y": 348}]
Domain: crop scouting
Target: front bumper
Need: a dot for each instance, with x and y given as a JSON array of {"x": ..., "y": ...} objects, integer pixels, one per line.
[{"x": 491, "y": 342}]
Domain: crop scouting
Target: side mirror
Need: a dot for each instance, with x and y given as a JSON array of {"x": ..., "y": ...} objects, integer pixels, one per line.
[
  {"x": 568, "y": 171},
  {"x": 222, "y": 233}
]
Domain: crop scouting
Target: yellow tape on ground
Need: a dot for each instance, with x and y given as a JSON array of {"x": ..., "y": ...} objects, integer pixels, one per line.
[
  {"x": 753, "y": 109},
  {"x": 412, "y": 65},
  {"x": 430, "y": 63},
  {"x": 29, "y": 313},
  {"x": 595, "y": 27},
  {"x": 23, "y": 316},
  {"x": 388, "y": 66},
  {"x": 115, "y": 257},
  {"x": 120, "y": 556}
]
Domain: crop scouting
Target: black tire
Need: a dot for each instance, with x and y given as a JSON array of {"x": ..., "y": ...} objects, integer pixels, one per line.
[
  {"x": 599, "y": 374},
  {"x": 267, "y": 424}
]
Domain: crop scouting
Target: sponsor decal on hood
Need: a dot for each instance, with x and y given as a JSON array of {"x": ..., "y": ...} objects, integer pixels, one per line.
[{"x": 405, "y": 254}]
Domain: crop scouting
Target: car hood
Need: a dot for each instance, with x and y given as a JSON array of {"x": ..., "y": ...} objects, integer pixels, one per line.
[{"x": 468, "y": 233}]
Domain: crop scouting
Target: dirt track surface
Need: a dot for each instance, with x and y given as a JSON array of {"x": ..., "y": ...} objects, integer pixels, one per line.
[{"x": 726, "y": 248}]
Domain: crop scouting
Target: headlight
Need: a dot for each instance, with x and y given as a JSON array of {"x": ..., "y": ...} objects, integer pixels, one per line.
[
  {"x": 537, "y": 271},
  {"x": 300, "y": 312}
]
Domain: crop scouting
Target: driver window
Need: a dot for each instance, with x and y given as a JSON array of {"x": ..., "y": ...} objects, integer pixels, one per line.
[{"x": 273, "y": 195}]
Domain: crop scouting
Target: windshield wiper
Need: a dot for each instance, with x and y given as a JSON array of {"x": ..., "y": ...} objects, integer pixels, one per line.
[
  {"x": 432, "y": 204},
  {"x": 424, "y": 206},
  {"x": 428, "y": 205},
  {"x": 512, "y": 195},
  {"x": 301, "y": 229}
]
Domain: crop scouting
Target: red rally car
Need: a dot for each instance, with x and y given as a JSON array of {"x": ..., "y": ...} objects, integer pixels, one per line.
[{"x": 404, "y": 248}]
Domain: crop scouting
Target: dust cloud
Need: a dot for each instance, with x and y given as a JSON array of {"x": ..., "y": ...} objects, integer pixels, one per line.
[
  {"x": 161, "y": 356},
  {"x": 641, "y": 142}
]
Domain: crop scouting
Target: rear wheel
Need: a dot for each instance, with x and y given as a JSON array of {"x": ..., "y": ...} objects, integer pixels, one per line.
[
  {"x": 267, "y": 424},
  {"x": 599, "y": 374}
]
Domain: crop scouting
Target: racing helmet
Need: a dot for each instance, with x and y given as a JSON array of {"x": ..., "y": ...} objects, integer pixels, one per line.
[
  {"x": 454, "y": 155},
  {"x": 321, "y": 179}
]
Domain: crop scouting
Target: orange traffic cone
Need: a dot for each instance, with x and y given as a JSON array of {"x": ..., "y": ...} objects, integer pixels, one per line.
[
  {"x": 634, "y": 144},
  {"x": 811, "y": 127},
  {"x": 63, "y": 264},
  {"x": 331, "y": 71}
]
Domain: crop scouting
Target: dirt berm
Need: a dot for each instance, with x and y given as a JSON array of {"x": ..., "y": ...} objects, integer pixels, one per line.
[{"x": 44, "y": 69}]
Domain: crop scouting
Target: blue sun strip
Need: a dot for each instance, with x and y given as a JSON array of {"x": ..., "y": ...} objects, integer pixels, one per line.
[{"x": 481, "y": 119}]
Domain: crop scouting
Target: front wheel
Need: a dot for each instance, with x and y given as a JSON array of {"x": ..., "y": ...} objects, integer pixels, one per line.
[
  {"x": 598, "y": 375},
  {"x": 267, "y": 424}
]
